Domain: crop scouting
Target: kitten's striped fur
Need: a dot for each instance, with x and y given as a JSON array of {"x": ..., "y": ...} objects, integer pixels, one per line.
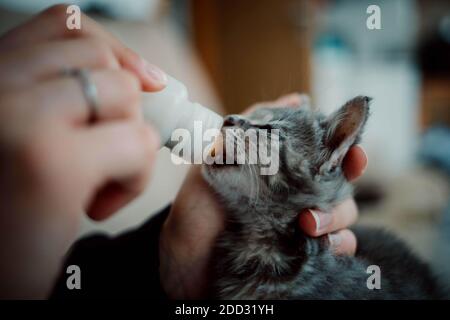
[{"x": 263, "y": 255}]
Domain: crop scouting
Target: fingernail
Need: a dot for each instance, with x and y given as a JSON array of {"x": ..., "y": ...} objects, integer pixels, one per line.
[
  {"x": 335, "y": 240},
  {"x": 154, "y": 73},
  {"x": 321, "y": 219}
]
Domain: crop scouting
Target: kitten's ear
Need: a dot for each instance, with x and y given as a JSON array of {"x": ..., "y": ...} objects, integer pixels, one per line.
[{"x": 343, "y": 129}]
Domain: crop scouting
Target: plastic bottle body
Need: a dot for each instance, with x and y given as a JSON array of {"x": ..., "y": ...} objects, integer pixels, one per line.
[{"x": 170, "y": 109}]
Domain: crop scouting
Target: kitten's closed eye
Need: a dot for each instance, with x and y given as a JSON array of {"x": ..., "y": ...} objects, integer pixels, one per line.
[
  {"x": 245, "y": 123},
  {"x": 234, "y": 120},
  {"x": 262, "y": 126}
]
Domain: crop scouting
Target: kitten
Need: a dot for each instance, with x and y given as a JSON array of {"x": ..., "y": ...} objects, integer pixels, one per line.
[{"x": 262, "y": 254}]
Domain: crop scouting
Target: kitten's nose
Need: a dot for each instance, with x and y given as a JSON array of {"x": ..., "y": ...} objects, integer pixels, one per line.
[{"x": 234, "y": 120}]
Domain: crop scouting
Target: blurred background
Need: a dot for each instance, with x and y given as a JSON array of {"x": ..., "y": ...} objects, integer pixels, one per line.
[{"x": 231, "y": 54}]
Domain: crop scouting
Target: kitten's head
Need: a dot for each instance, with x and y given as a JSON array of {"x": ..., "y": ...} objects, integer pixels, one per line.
[{"x": 311, "y": 150}]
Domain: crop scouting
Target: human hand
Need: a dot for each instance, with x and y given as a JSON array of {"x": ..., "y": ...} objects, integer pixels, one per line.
[
  {"x": 55, "y": 163},
  {"x": 196, "y": 219},
  {"x": 335, "y": 224}
]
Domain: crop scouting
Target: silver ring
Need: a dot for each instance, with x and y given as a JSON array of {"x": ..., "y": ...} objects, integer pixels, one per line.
[{"x": 89, "y": 90}]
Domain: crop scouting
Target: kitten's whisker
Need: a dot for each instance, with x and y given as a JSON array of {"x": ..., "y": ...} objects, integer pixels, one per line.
[
  {"x": 255, "y": 185},
  {"x": 239, "y": 151}
]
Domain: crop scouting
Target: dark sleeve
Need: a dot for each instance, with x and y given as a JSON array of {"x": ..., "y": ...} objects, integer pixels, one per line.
[{"x": 123, "y": 267}]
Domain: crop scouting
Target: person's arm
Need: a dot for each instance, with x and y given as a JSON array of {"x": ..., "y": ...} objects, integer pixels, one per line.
[
  {"x": 55, "y": 162},
  {"x": 126, "y": 266}
]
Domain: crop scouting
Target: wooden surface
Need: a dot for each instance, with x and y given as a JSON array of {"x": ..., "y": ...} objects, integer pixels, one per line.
[
  {"x": 435, "y": 105},
  {"x": 254, "y": 50}
]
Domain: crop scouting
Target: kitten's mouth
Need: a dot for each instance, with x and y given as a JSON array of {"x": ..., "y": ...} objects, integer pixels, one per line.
[{"x": 218, "y": 152}]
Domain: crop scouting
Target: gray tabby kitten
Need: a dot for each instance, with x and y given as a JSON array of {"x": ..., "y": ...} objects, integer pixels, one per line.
[{"x": 262, "y": 254}]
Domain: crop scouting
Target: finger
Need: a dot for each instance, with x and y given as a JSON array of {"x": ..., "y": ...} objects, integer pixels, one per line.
[
  {"x": 316, "y": 223},
  {"x": 109, "y": 200},
  {"x": 118, "y": 96},
  {"x": 355, "y": 163},
  {"x": 24, "y": 67},
  {"x": 293, "y": 100},
  {"x": 47, "y": 25},
  {"x": 120, "y": 157},
  {"x": 51, "y": 25},
  {"x": 343, "y": 242}
]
